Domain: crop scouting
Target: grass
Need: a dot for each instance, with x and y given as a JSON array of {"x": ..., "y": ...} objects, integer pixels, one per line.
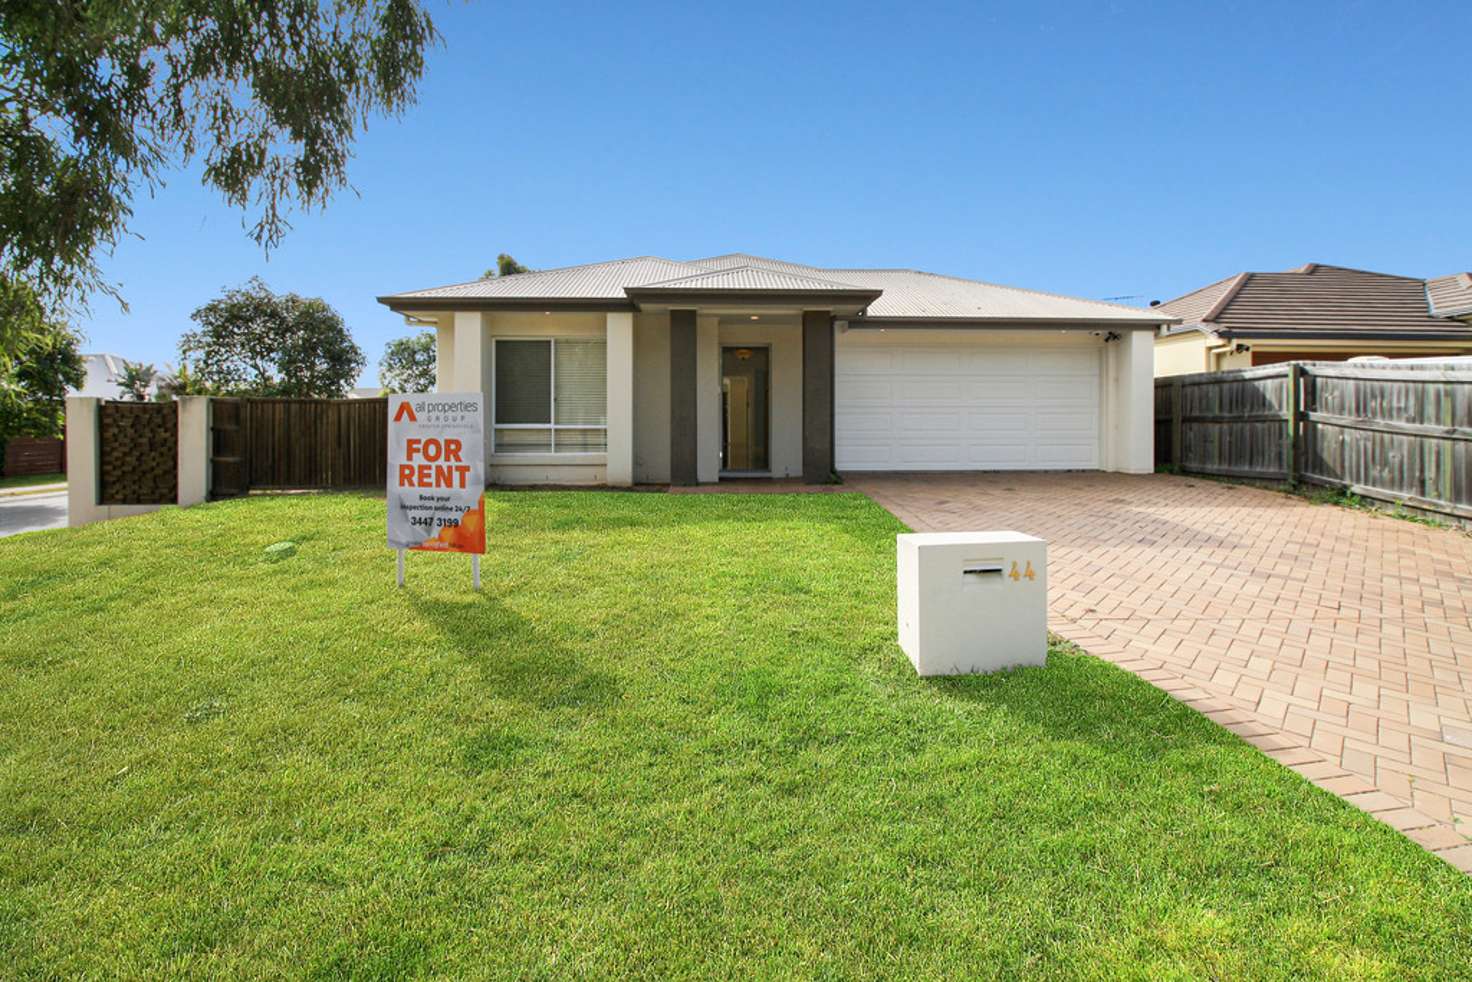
[
  {"x": 1344, "y": 498},
  {"x": 1320, "y": 495},
  {"x": 30, "y": 480},
  {"x": 672, "y": 736}
]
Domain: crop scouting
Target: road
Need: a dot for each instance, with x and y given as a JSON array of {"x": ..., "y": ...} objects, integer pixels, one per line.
[{"x": 29, "y": 512}]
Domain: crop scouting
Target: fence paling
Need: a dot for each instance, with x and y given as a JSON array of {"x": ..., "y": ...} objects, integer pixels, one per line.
[
  {"x": 1402, "y": 434},
  {"x": 295, "y": 444}
]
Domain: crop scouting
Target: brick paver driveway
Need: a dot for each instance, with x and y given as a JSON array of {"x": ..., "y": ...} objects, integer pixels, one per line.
[{"x": 1337, "y": 641}]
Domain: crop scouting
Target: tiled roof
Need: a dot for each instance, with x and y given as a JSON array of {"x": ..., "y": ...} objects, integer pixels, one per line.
[
  {"x": 1450, "y": 296},
  {"x": 1315, "y": 301},
  {"x": 907, "y": 294},
  {"x": 1194, "y": 307}
]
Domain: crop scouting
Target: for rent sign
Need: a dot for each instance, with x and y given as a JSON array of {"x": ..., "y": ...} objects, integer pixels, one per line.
[{"x": 436, "y": 472}]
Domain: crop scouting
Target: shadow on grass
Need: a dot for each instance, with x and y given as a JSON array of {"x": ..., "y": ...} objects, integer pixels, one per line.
[
  {"x": 1082, "y": 699},
  {"x": 518, "y": 661}
]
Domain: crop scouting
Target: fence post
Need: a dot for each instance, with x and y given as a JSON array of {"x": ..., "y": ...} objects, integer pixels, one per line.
[
  {"x": 1294, "y": 413},
  {"x": 81, "y": 462},
  {"x": 1176, "y": 454},
  {"x": 194, "y": 449}
]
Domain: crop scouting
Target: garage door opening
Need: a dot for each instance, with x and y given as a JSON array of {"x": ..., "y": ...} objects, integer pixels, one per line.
[{"x": 966, "y": 403}]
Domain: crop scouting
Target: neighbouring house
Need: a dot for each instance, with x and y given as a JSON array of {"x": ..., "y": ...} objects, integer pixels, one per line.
[
  {"x": 650, "y": 370},
  {"x": 1314, "y": 313},
  {"x": 104, "y": 377}
]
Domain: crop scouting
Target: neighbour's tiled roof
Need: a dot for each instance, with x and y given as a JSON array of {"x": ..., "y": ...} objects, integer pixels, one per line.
[
  {"x": 1196, "y": 306},
  {"x": 1315, "y": 301},
  {"x": 1450, "y": 296},
  {"x": 907, "y": 294}
]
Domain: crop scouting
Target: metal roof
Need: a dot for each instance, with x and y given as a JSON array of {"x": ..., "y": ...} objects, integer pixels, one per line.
[
  {"x": 1316, "y": 301},
  {"x": 751, "y": 278},
  {"x": 734, "y": 259},
  {"x": 1450, "y": 296},
  {"x": 593, "y": 281},
  {"x": 903, "y": 294},
  {"x": 912, "y": 293}
]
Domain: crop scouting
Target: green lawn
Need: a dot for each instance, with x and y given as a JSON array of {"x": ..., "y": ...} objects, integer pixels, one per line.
[
  {"x": 30, "y": 480},
  {"x": 673, "y": 735}
]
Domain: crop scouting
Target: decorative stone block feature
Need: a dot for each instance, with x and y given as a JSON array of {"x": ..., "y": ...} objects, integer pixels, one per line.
[{"x": 138, "y": 454}]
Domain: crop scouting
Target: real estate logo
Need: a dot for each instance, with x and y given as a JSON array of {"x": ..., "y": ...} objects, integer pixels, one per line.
[{"x": 436, "y": 472}]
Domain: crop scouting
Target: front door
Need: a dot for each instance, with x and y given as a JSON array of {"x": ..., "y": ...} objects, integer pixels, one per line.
[{"x": 745, "y": 375}]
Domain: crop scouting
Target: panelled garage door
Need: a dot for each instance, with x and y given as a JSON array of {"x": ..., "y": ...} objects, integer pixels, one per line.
[{"x": 965, "y": 405}]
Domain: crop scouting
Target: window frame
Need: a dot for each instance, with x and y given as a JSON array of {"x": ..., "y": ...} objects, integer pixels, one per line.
[{"x": 551, "y": 426}]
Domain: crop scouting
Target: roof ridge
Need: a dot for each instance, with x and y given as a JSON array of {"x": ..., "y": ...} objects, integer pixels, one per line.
[
  {"x": 1200, "y": 289},
  {"x": 1228, "y": 295},
  {"x": 759, "y": 269},
  {"x": 750, "y": 255},
  {"x": 1308, "y": 269}
]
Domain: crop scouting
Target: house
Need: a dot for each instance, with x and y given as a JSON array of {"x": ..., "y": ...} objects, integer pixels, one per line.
[
  {"x": 1315, "y": 312},
  {"x": 651, "y": 370},
  {"x": 104, "y": 375}
]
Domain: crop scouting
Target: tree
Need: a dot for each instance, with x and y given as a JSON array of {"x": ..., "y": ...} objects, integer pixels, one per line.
[
  {"x": 184, "y": 382},
  {"x": 136, "y": 380},
  {"x": 408, "y": 364},
  {"x": 254, "y": 342},
  {"x": 505, "y": 266},
  {"x": 99, "y": 99},
  {"x": 33, "y": 386}
]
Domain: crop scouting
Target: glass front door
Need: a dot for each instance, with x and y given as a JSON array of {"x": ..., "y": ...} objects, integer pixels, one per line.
[{"x": 745, "y": 375}]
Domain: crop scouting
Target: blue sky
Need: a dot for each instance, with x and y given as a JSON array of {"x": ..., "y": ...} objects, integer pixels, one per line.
[{"x": 1097, "y": 149}]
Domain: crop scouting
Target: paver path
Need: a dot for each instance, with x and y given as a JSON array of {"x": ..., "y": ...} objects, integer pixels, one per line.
[{"x": 1339, "y": 642}]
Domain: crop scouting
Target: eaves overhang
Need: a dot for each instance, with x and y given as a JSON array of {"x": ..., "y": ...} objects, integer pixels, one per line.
[
  {"x": 410, "y": 304},
  {"x": 1344, "y": 337},
  {"x": 1009, "y": 323},
  {"x": 812, "y": 299}
]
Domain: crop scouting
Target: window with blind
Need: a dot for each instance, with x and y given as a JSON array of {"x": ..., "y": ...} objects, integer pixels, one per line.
[{"x": 551, "y": 396}]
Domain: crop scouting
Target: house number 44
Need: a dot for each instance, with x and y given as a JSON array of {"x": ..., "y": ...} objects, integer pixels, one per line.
[{"x": 1024, "y": 574}]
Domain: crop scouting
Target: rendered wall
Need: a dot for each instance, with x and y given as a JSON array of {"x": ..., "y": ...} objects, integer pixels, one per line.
[{"x": 651, "y": 398}]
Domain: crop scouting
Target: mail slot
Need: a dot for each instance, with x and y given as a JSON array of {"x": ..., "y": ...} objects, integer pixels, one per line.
[
  {"x": 982, "y": 569},
  {"x": 972, "y": 602}
]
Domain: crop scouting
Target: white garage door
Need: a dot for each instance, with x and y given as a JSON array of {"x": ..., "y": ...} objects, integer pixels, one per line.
[{"x": 965, "y": 405}]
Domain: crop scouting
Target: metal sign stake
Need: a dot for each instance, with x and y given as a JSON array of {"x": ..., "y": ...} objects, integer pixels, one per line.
[
  {"x": 401, "y": 568},
  {"x": 475, "y": 570}
]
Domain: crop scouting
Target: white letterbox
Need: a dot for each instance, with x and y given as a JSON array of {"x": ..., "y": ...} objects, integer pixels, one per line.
[{"x": 972, "y": 601}]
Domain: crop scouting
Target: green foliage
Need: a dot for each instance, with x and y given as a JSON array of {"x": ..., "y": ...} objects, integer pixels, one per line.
[
  {"x": 408, "y": 364},
  {"x": 34, "y": 384},
  {"x": 505, "y": 266},
  {"x": 671, "y": 737},
  {"x": 251, "y": 341},
  {"x": 184, "y": 382},
  {"x": 136, "y": 381},
  {"x": 99, "y": 99}
]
